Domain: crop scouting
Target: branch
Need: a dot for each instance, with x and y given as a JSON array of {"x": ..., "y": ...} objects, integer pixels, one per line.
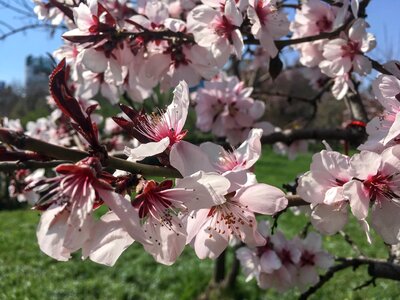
[
  {"x": 376, "y": 269},
  {"x": 27, "y": 13},
  {"x": 219, "y": 268},
  {"x": 347, "y": 134},
  {"x": 24, "y": 142},
  {"x": 357, "y": 108},
  {"x": 27, "y": 27},
  {"x": 295, "y": 200},
  {"x": 377, "y": 66},
  {"x": 30, "y": 164}
]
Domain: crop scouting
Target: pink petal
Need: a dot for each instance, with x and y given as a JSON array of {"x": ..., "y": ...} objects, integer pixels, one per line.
[
  {"x": 359, "y": 199},
  {"x": 270, "y": 261},
  {"x": 178, "y": 109},
  {"x": 189, "y": 159},
  {"x": 262, "y": 198},
  {"x": 108, "y": 240},
  {"x": 385, "y": 220},
  {"x": 250, "y": 150},
  {"x": 95, "y": 60},
  {"x": 51, "y": 232},
  {"x": 365, "y": 164},
  {"x": 126, "y": 213},
  {"x": 206, "y": 245},
  {"x": 194, "y": 223},
  {"x": 327, "y": 219},
  {"x": 232, "y": 13},
  {"x": 145, "y": 150},
  {"x": 208, "y": 190},
  {"x": 167, "y": 244}
]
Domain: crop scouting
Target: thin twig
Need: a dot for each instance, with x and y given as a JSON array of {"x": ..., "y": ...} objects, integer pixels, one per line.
[
  {"x": 27, "y": 27},
  {"x": 377, "y": 268},
  {"x": 352, "y": 244}
]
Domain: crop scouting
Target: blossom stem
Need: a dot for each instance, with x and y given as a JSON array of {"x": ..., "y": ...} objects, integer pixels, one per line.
[{"x": 24, "y": 142}]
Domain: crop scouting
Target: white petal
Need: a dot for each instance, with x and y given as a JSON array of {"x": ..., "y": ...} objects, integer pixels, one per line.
[{"x": 145, "y": 150}]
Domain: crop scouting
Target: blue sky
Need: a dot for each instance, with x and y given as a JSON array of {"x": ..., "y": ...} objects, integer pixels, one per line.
[{"x": 382, "y": 16}]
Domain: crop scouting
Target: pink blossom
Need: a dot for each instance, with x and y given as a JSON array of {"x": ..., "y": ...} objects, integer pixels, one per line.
[
  {"x": 242, "y": 158},
  {"x": 283, "y": 264},
  {"x": 159, "y": 208},
  {"x": 183, "y": 62},
  {"x": 313, "y": 18},
  {"x": 273, "y": 264},
  {"x": 322, "y": 186},
  {"x": 45, "y": 11},
  {"x": 312, "y": 258},
  {"x": 345, "y": 54},
  {"x": 211, "y": 229},
  {"x": 383, "y": 130},
  {"x": 87, "y": 19},
  {"x": 22, "y": 179},
  {"x": 13, "y": 124},
  {"x": 49, "y": 130},
  {"x": 375, "y": 183},
  {"x": 225, "y": 108},
  {"x": 268, "y": 23},
  {"x": 162, "y": 131},
  {"x": 68, "y": 202},
  {"x": 218, "y": 31}
]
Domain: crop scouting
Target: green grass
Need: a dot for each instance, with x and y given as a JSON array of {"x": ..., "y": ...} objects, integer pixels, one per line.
[{"x": 26, "y": 273}]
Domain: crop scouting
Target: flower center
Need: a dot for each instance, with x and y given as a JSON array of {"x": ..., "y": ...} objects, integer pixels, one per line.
[
  {"x": 156, "y": 127},
  {"x": 378, "y": 188},
  {"x": 285, "y": 257},
  {"x": 229, "y": 160},
  {"x": 324, "y": 24},
  {"x": 228, "y": 218},
  {"x": 351, "y": 49},
  {"x": 263, "y": 11},
  {"x": 223, "y": 27},
  {"x": 307, "y": 259}
]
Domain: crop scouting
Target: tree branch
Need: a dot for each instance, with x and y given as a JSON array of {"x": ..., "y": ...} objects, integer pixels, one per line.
[
  {"x": 377, "y": 66},
  {"x": 27, "y": 27},
  {"x": 376, "y": 269},
  {"x": 30, "y": 164},
  {"x": 24, "y": 142},
  {"x": 348, "y": 134}
]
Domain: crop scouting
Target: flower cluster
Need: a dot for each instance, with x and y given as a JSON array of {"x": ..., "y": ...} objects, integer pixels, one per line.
[
  {"x": 114, "y": 47},
  {"x": 209, "y": 196},
  {"x": 340, "y": 57},
  {"x": 224, "y": 107},
  {"x": 215, "y": 200},
  {"x": 383, "y": 131},
  {"x": 365, "y": 180},
  {"x": 283, "y": 264}
]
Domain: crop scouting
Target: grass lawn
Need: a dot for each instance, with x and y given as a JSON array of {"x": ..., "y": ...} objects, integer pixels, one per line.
[{"x": 26, "y": 273}]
